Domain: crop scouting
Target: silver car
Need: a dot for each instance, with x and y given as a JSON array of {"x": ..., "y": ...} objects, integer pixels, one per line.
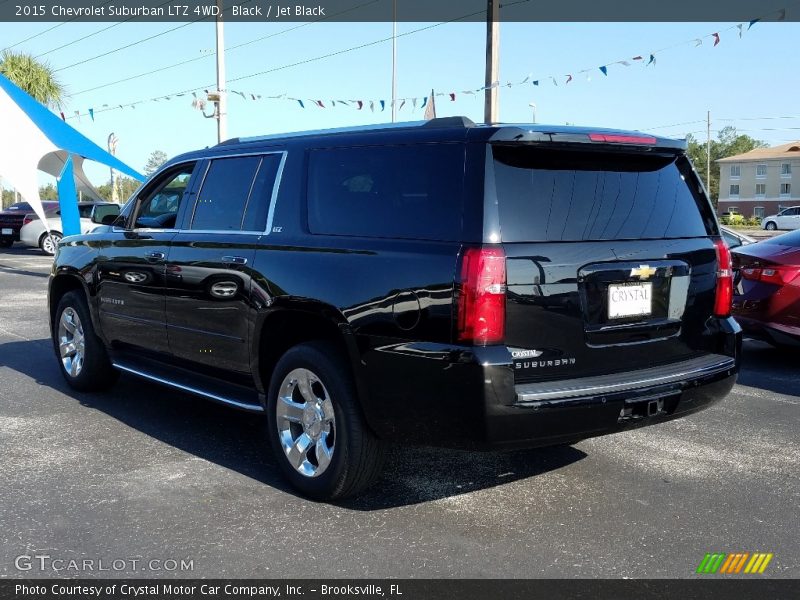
[{"x": 34, "y": 232}]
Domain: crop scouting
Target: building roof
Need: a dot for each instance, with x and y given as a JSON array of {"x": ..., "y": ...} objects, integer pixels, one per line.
[{"x": 790, "y": 150}]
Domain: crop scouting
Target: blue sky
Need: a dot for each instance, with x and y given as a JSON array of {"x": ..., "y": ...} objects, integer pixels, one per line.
[{"x": 738, "y": 81}]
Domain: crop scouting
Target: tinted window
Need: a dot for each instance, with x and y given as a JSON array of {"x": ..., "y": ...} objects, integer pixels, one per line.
[
  {"x": 20, "y": 206},
  {"x": 236, "y": 193},
  {"x": 255, "y": 216},
  {"x": 85, "y": 210},
  {"x": 572, "y": 195},
  {"x": 411, "y": 192}
]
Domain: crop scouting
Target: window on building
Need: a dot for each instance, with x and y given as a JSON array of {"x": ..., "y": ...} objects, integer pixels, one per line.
[
  {"x": 786, "y": 189},
  {"x": 733, "y": 210},
  {"x": 736, "y": 171},
  {"x": 786, "y": 169},
  {"x": 761, "y": 190},
  {"x": 761, "y": 170},
  {"x": 734, "y": 190},
  {"x": 758, "y": 211}
]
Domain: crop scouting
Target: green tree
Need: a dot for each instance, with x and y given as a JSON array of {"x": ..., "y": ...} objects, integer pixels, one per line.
[
  {"x": 48, "y": 192},
  {"x": 127, "y": 185},
  {"x": 35, "y": 77},
  {"x": 157, "y": 158},
  {"x": 728, "y": 143}
]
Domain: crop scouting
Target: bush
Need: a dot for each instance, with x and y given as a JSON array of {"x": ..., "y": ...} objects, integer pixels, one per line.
[
  {"x": 754, "y": 221},
  {"x": 733, "y": 219}
]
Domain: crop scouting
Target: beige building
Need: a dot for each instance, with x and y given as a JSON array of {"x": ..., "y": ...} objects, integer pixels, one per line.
[{"x": 761, "y": 182}]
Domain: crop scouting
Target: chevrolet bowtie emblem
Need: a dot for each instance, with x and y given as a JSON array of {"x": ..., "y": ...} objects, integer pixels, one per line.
[{"x": 643, "y": 272}]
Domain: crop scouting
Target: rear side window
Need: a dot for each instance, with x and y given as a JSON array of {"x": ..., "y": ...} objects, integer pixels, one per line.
[
  {"x": 236, "y": 193},
  {"x": 563, "y": 195},
  {"x": 406, "y": 192}
]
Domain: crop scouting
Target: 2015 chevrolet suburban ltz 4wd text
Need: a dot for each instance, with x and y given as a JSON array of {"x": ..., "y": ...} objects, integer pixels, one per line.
[{"x": 444, "y": 283}]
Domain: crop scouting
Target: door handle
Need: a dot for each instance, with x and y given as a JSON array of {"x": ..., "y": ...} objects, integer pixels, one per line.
[
  {"x": 234, "y": 260},
  {"x": 155, "y": 255}
]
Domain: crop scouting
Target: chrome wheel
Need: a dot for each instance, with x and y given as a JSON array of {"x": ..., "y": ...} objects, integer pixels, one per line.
[
  {"x": 71, "y": 342},
  {"x": 50, "y": 243},
  {"x": 306, "y": 422}
]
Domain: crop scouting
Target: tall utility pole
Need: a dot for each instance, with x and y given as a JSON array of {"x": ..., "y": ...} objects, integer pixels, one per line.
[
  {"x": 394, "y": 61},
  {"x": 708, "y": 151},
  {"x": 491, "y": 109},
  {"x": 113, "y": 140},
  {"x": 222, "y": 103}
]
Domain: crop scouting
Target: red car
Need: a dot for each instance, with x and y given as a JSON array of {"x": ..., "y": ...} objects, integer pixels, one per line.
[{"x": 767, "y": 289}]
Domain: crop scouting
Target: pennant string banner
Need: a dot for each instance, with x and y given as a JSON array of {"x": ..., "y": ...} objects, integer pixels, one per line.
[{"x": 422, "y": 101}]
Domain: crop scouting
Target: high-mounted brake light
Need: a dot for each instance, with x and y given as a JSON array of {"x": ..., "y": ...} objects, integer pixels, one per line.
[
  {"x": 482, "y": 296},
  {"x": 724, "y": 292},
  {"x": 613, "y": 138}
]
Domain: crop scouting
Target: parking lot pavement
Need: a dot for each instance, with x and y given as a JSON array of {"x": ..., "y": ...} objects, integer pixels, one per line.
[{"x": 146, "y": 473}]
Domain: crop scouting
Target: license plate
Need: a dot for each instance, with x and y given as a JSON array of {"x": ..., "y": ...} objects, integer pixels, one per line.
[
  {"x": 7, "y": 231},
  {"x": 630, "y": 300}
]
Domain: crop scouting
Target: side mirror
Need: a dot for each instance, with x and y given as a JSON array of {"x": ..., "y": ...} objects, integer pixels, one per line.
[{"x": 105, "y": 214}]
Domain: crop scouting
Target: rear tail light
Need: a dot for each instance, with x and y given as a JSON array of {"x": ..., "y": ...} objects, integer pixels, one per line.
[
  {"x": 28, "y": 219},
  {"x": 613, "y": 138},
  {"x": 482, "y": 296},
  {"x": 724, "y": 297},
  {"x": 778, "y": 275}
]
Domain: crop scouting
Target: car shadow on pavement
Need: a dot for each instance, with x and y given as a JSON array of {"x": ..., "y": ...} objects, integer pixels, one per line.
[
  {"x": 235, "y": 440},
  {"x": 769, "y": 368}
]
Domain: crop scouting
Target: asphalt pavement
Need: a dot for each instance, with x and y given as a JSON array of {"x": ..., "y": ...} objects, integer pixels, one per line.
[{"x": 143, "y": 474}]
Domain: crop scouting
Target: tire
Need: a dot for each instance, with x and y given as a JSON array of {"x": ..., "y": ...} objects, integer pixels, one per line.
[
  {"x": 49, "y": 242},
  {"x": 341, "y": 456},
  {"x": 6, "y": 243},
  {"x": 82, "y": 358},
  {"x": 770, "y": 226}
]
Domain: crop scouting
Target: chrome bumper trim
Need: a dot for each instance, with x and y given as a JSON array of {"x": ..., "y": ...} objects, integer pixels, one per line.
[{"x": 550, "y": 392}]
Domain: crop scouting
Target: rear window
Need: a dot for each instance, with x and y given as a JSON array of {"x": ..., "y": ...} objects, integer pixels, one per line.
[
  {"x": 411, "y": 192},
  {"x": 563, "y": 195}
]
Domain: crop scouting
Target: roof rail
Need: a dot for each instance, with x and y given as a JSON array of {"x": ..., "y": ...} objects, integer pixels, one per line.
[{"x": 439, "y": 122}]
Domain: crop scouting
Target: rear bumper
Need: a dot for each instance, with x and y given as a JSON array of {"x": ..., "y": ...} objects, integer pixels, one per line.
[
  {"x": 569, "y": 411},
  {"x": 449, "y": 396}
]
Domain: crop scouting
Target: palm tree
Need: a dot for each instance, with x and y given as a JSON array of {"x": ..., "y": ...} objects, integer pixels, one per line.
[{"x": 36, "y": 78}]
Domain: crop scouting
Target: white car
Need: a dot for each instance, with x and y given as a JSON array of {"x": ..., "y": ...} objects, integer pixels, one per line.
[
  {"x": 34, "y": 232},
  {"x": 788, "y": 218}
]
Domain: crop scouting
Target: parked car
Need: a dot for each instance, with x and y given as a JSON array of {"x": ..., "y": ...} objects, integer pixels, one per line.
[
  {"x": 767, "y": 293},
  {"x": 11, "y": 220},
  {"x": 442, "y": 283},
  {"x": 788, "y": 218},
  {"x": 734, "y": 239},
  {"x": 35, "y": 233}
]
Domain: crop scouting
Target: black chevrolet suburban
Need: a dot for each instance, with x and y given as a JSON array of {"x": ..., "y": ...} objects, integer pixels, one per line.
[{"x": 440, "y": 283}]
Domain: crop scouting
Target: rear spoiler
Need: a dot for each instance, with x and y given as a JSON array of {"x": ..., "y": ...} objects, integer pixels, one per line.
[{"x": 617, "y": 139}]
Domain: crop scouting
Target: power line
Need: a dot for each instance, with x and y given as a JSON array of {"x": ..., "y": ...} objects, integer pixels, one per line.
[
  {"x": 359, "y": 47},
  {"x": 235, "y": 47},
  {"x": 141, "y": 41},
  {"x": 86, "y": 37},
  {"x": 303, "y": 62},
  {"x": 48, "y": 30}
]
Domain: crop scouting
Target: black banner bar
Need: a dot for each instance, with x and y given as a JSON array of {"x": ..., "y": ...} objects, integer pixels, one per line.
[
  {"x": 415, "y": 589},
  {"x": 288, "y": 11}
]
